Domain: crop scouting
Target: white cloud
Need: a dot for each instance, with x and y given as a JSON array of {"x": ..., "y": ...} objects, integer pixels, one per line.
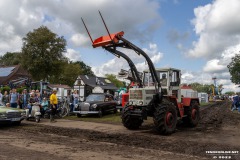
[
  {"x": 79, "y": 40},
  {"x": 73, "y": 55},
  {"x": 214, "y": 66},
  {"x": 64, "y": 18},
  {"x": 217, "y": 26},
  {"x": 113, "y": 66}
]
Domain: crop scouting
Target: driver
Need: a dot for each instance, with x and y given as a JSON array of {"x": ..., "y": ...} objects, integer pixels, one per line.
[{"x": 164, "y": 80}]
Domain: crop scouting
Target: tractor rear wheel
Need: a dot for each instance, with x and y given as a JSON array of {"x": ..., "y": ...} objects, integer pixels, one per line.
[
  {"x": 130, "y": 122},
  {"x": 165, "y": 118},
  {"x": 193, "y": 115}
]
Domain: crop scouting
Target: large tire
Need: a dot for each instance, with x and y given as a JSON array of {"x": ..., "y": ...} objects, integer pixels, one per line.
[
  {"x": 165, "y": 118},
  {"x": 130, "y": 122},
  {"x": 192, "y": 115}
]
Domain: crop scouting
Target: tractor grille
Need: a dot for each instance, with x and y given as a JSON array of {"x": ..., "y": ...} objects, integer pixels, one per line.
[
  {"x": 85, "y": 107},
  {"x": 13, "y": 114},
  {"x": 135, "y": 94}
]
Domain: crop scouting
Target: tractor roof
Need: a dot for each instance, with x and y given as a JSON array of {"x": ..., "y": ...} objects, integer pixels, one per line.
[{"x": 164, "y": 69}]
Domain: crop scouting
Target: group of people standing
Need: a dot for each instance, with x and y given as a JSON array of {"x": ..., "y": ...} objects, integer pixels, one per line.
[
  {"x": 26, "y": 99},
  {"x": 22, "y": 100}
]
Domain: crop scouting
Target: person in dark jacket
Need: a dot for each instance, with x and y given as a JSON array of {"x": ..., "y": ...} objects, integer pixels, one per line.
[
  {"x": 235, "y": 102},
  {"x": 24, "y": 99}
]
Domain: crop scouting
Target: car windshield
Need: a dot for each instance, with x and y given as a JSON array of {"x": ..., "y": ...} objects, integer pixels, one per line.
[{"x": 95, "y": 97}]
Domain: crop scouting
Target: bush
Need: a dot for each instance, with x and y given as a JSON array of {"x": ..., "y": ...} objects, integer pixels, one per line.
[{"x": 5, "y": 88}]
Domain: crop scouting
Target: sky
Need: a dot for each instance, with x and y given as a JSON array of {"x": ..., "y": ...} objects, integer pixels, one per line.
[{"x": 197, "y": 36}]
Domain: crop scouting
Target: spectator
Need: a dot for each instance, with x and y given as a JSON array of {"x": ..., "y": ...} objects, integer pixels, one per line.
[
  {"x": 45, "y": 95},
  {"x": 31, "y": 102},
  {"x": 14, "y": 98},
  {"x": 25, "y": 98},
  {"x": 71, "y": 102},
  {"x": 5, "y": 98},
  {"x": 38, "y": 97},
  {"x": 44, "y": 105},
  {"x": 20, "y": 102},
  {"x": 75, "y": 98},
  {"x": 1, "y": 97},
  {"x": 54, "y": 103},
  {"x": 235, "y": 102}
]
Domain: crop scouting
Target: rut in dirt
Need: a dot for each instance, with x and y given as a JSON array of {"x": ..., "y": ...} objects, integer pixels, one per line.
[{"x": 213, "y": 117}]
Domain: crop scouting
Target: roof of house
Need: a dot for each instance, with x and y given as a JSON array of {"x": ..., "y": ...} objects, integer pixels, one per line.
[
  {"x": 94, "y": 81},
  {"x": 10, "y": 73}
]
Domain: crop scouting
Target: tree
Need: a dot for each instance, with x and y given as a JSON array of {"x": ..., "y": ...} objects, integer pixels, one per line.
[
  {"x": 42, "y": 54},
  {"x": 234, "y": 69},
  {"x": 85, "y": 69},
  {"x": 114, "y": 80},
  {"x": 10, "y": 58},
  {"x": 69, "y": 75}
]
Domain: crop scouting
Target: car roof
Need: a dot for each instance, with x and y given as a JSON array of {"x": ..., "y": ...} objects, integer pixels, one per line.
[{"x": 106, "y": 94}]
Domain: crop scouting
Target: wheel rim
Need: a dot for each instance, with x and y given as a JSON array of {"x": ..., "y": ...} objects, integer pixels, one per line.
[
  {"x": 194, "y": 114},
  {"x": 169, "y": 119}
]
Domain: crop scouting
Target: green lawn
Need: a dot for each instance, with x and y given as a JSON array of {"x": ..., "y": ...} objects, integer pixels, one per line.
[{"x": 108, "y": 118}]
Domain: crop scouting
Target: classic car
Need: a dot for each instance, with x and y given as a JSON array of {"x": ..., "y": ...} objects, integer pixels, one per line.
[
  {"x": 10, "y": 115},
  {"x": 96, "y": 103}
]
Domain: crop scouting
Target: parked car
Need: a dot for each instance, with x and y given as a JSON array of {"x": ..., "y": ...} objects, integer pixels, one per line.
[
  {"x": 11, "y": 115},
  {"x": 96, "y": 103}
]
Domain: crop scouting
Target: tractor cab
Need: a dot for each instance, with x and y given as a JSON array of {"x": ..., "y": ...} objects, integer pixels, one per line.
[{"x": 169, "y": 79}]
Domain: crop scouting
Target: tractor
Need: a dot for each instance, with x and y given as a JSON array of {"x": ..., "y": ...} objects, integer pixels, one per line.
[{"x": 156, "y": 94}]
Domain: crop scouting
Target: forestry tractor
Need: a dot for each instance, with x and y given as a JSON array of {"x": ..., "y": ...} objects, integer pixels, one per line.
[{"x": 157, "y": 93}]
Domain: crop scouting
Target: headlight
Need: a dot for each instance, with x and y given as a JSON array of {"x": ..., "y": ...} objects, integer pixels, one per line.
[
  {"x": 130, "y": 102},
  {"x": 23, "y": 114},
  {"x": 94, "y": 105},
  {"x": 140, "y": 102},
  {"x": 3, "y": 115}
]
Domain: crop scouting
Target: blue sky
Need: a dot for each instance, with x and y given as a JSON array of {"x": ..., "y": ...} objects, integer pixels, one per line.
[{"x": 197, "y": 36}]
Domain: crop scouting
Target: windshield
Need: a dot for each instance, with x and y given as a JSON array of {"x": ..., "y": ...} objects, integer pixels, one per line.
[
  {"x": 148, "y": 78},
  {"x": 95, "y": 97}
]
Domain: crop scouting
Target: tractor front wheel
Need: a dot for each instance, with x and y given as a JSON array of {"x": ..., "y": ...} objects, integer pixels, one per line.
[
  {"x": 130, "y": 122},
  {"x": 165, "y": 118}
]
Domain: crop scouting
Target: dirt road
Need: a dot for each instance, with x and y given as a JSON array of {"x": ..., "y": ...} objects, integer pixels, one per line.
[{"x": 218, "y": 130}]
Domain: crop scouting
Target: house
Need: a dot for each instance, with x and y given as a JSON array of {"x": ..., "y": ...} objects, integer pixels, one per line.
[
  {"x": 91, "y": 84},
  {"x": 13, "y": 76},
  {"x": 62, "y": 90}
]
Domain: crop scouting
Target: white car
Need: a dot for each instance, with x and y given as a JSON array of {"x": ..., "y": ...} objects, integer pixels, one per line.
[{"x": 10, "y": 115}]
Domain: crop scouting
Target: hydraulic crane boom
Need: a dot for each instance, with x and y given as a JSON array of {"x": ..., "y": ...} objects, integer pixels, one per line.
[
  {"x": 130, "y": 62},
  {"x": 111, "y": 41}
]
